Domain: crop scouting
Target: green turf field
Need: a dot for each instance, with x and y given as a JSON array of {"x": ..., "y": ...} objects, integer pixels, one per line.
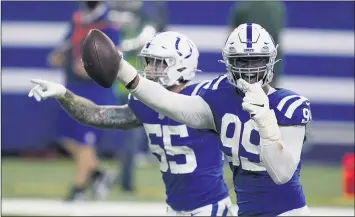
[{"x": 51, "y": 179}]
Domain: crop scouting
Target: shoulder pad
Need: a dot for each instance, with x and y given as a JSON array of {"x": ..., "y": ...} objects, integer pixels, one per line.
[
  {"x": 216, "y": 83},
  {"x": 212, "y": 85},
  {"x": 292, "y": 109}
]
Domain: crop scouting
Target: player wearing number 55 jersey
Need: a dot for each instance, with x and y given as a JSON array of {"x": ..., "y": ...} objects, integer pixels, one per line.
[
  {"x": 190, "y": 160},
  {"x": 262, "y": 129}
]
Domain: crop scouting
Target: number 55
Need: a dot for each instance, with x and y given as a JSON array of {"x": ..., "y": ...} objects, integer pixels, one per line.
[{"x": 164, "y": 133}]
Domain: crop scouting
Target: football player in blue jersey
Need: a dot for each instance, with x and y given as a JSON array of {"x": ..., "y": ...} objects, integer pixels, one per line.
[
  {"x": 191, "y": 161},
  {"x": 262, "y": 128}
]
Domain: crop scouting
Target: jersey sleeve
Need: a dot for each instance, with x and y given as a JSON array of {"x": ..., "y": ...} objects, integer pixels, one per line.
[
  {"x": 137, "y": 107},
  {"x": 293, "y": 110},
  {"x": 211, "y": 92},
  {"x": 129, "y": 97},
  {"x": 131, "y": 103}
]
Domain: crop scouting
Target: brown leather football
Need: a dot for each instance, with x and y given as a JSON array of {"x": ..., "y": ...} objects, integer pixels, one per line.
[{"x": 101, "y": 58}]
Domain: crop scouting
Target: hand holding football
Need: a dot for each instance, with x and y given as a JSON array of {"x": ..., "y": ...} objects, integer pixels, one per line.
[{"x": 100, "y": 57}]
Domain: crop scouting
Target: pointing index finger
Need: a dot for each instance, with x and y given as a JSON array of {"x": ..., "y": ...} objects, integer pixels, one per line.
[{"x": 40, "y": 82}]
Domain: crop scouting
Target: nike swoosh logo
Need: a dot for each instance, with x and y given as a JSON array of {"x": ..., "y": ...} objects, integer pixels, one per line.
[{"x": 257, "y": 104}]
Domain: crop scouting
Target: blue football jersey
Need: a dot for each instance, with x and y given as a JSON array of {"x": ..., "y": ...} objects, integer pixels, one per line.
[
  {"x": 257, "y": 194},
  {"x": 191, "y": 161}
]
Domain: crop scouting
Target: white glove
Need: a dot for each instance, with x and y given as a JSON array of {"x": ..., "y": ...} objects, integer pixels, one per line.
[
  {"x": 45, "y": 89},
  {"x": 255, "y": 100},
  {"x": 256, "y": 103}
]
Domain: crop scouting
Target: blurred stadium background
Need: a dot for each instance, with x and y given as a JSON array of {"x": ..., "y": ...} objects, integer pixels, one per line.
[{"x": 318, "y": 44}]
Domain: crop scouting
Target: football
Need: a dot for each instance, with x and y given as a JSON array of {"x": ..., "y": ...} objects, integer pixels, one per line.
[{"x": 100, "y": 57}]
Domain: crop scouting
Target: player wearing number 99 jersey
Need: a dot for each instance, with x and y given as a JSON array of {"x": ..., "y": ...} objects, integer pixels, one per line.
[
  {"x": 262, "y": 129},
  {"x": 262, "y": 189}
]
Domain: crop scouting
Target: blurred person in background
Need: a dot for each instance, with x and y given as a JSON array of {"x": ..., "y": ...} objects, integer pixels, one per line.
[
  {"x": 138, "y": 22},
  {"x": 269, "y": 14},
  {"x": 78, "y": 139}
]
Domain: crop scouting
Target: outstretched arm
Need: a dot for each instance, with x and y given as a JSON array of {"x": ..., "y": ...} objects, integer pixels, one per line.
[
  {"x": 190, "y": 110},
  {"x": 88, "y": 113}
]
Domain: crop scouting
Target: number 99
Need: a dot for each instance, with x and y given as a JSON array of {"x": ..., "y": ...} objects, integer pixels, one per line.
[{"x": 307, "y": 115}]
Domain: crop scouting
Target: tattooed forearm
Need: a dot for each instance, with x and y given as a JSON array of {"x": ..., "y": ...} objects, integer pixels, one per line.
[{"x": 88, "y": 113}]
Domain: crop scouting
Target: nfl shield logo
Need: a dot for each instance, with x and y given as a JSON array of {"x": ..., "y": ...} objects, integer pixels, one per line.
[
  {"x": 265, "y": 49},
  {"x": 232, "y": 50}
]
